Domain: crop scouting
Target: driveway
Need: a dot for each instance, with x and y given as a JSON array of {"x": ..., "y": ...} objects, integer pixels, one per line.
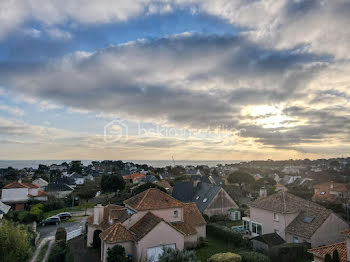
[
  {"x": 50, "y": 231},
  {"x": 81, "y": 253}
]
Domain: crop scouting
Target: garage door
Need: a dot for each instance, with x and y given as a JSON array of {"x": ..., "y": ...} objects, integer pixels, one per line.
[{"x": 154, "y": 252}]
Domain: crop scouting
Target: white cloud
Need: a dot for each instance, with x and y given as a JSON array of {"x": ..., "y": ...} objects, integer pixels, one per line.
[{"x": 12, "y": 110}]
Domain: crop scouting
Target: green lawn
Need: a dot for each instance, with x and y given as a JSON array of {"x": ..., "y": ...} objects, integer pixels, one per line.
[
  {"x": 215, "y": 246},
  {"x": 68, "y": 209}
]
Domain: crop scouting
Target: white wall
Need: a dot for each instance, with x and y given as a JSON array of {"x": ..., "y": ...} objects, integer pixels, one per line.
[{"x": 14, "y": 194}]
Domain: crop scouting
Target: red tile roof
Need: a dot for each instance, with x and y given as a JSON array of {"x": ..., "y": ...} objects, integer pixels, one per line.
[
  {"x": 117, "y": 233},
  {"x": 346, "y": 232},
  {"x": 321, "y": 252},
  {"x": 152, "y": 199},
  {"x": 324, "y": 189},
  {"x": 17, "y": 184},
  {"x": 145, "y": 225},
  {"x": 137, "y": 176}
]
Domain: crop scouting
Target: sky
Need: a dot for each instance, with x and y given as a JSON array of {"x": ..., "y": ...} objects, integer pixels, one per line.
[{"x": 193, "y": 80}]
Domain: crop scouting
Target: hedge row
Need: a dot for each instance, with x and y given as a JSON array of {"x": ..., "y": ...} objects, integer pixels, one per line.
[{"x": 226, "y": 234}]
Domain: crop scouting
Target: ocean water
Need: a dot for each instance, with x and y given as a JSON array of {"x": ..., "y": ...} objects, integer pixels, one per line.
[{"x": 155, "y": 163}]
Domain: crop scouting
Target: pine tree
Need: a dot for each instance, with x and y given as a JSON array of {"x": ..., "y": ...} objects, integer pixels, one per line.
[{"x": 336, "y": 257}]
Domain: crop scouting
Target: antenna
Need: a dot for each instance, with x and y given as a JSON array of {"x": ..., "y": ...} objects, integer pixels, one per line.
[{"x": 173, "y": 160}]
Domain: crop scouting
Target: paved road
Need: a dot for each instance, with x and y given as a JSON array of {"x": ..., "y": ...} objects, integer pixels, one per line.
[{"x": 50, "y": 231}]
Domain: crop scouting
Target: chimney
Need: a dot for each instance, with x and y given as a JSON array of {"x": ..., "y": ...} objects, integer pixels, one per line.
[
  {"x": 332, "y": 186},
  {"x": 263, "y": 192},
  {"x": 98, "y": 214}
]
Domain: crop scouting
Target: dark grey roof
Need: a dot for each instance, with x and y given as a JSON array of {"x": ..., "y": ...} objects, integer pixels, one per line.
[
  {"x": 184, "y": 191},
  {"x": 149, "y": 179},
  {"x": 64, "y": 180},
  {"x": 271, "y": 240},
  {"x": 75, "y": 175},
  {"x": 202, "y": 194},
  {"x": 54, "y": 187},
  {"x": 206, "y": 193}
]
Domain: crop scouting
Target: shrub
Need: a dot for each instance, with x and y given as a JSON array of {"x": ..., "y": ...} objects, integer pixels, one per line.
[
  {"x": 289, "y": 252},
  {"x": 14, "y": 243},
  {"x": 226, "y": 234},
  {"x": 225, "y": 257},
  {"x": 61, "y": 234},
  {"x": 25, "y": 217},
  {"x": 60, "y": 252},
  {"x": 53, "y": 203},
  {"x": 37, "y": 212},
  {"x": 254, "y": 257},
  {"x": 116, "y": 254},
  {"x": 175, "y": 255}
]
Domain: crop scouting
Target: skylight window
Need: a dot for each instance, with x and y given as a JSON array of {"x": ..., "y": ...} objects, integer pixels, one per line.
[
  {"x": 197, "y": 197},
  {"x": 205, "y": 200},
  {"x": 322, "y": 193},
  {"x": 308, "y": 220}
]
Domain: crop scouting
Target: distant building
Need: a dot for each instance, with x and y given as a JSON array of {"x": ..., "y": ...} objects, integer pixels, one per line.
[
  {"x": 17, "y": 194},
  {"x": 134, "y": 178},
  {"x": 331, "y": 192},
  {"x": 58, "y": 190},
  {"x": 78, "y": 179},
  {"x": 41, "y": 183},
  {"x": 210, "y": 199}
]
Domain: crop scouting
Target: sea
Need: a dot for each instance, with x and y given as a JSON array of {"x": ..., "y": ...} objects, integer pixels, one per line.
[{"x": 19, "y": 164}]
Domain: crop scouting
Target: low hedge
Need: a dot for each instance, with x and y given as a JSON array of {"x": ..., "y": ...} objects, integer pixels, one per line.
[
  {"x": 254, "y": 257},
  {"x": 226, "y": 234},
  {"x": 225, "y": 257},
  {"x": 290, "y": 252}
]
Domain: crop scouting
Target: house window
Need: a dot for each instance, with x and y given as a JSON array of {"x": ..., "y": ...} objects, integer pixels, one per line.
[
  {"x": 275, "y": 217},
  {"x": 246, "y": 225},
  {"x": 256, "y": 228},
  {"x": 176, "y": 213},
  {"x": 295, "y": 240}
]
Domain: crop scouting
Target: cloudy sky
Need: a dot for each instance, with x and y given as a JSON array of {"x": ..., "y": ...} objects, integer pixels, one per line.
[{"x": 144, "y": 79}]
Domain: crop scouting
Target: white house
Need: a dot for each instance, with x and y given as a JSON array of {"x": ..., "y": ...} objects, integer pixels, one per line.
[
  {"x": 79, "y": 180},
  {"x": 40, "y": 182},
  {"x": 17, "y": 194}
]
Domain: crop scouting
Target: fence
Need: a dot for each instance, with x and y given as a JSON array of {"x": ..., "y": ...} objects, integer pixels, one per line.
[{"x": 75, "y": 233}]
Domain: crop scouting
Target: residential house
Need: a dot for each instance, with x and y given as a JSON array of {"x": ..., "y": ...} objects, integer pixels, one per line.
[
  {"x": 134, "y": 178},
  {"x": 41, "y": 183},
  {"x": 78, "y": 179},
  {"x": 3, "y": 209},
  {"x": 210, "y": 199},
  {"x": 331, "y": 192},
  {"x": 58, "y": 190},
  {"x": 343, "y": 249},
  {"x": 280, "y": 187},
  {"x": 165, "y": 184},
  {"x": 18, "y": 193},
  {"x": 294, "y": 219},
  {"x": 146, "y": 224}
]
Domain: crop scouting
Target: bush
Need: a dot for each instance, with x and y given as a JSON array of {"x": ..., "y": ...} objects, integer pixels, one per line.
[
  {"x": 254, "y": 257},
  {"x": 290, "y": 252},
  {"x": 61, "y": 234},
  {"x": 60, "y": 252},
  {"x": 53, "y": 203},
  {"x": 225, "y": 257},
  {"x": 25, "y": 217},
  {"x": 175, "y": 255},
  {"x": 218, "y": 218},
  {"x": 14, "y": 243},
  {"x": 226, "y": 234},
  {"x": 116, "y": 254},
  {"x": 37, "y": 212}
]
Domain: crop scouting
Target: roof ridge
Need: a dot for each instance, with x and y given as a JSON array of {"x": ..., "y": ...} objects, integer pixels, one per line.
[{"x": 143, "y": 198}]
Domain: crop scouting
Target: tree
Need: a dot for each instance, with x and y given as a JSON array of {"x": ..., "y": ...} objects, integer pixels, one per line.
[
  {"x": 76, "y": 167},
  {"x": 14, "y": 243},
  {"x": 336, "y": 257},
  {"x": 87, "y": 191},
  {"x": 112, "y": 183},
  {"x": 116, "y": 254},
  {"x": 175, "y": 255},
  {"x": 241, "y": 178},
  {"x": 328, "y": 258},
  {"x": 146, "y": 186}
]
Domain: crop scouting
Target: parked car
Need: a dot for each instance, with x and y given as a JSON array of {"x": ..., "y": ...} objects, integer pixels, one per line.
[
  {"x": 51, "y": 221},
  {"x": 64, "y": 216}
]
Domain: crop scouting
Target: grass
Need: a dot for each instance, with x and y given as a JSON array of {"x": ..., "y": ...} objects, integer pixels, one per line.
[
  {"x": 214, "y": 246},
  {"x": 42, "y": 252},
  {"x": 68, "y": 209}
]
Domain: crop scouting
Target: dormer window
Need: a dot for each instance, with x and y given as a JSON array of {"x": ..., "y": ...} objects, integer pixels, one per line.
[{"x": 176, "y": 213}]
